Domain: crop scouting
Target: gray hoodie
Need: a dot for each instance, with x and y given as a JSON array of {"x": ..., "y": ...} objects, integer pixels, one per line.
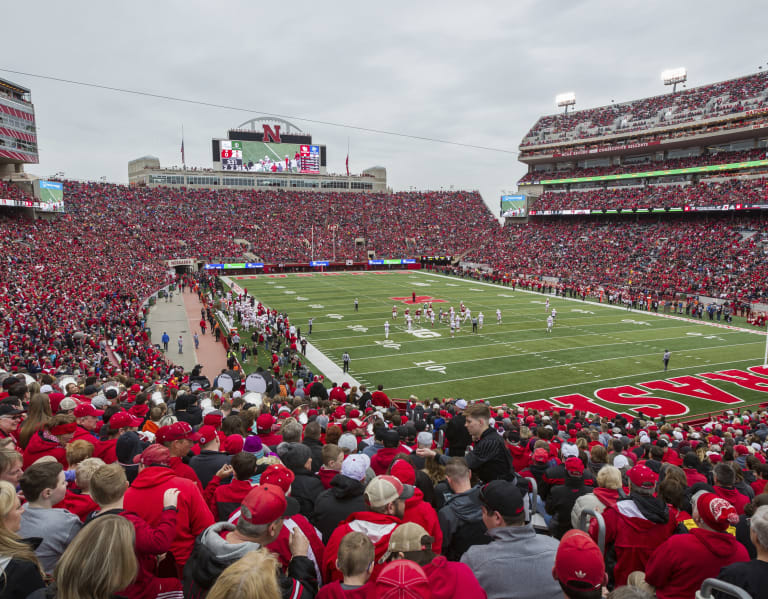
[{"x": 517, "y": 563}]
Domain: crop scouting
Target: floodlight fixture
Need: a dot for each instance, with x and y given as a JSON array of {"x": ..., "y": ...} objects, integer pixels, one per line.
[
  {"x": 674, "y": 76},
  {"x": 565, "y": 100}
]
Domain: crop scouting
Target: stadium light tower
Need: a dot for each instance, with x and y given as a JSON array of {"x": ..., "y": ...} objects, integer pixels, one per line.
[
  {"x": 674, "y": 76},
  {"x": 565, "y": 100}
]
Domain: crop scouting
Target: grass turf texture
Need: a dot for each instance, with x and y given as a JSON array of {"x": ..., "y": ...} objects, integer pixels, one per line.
[{"x": 591, "y": 347}]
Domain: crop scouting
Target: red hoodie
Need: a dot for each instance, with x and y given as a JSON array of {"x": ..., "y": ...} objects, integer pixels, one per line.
[
  {"x": 633, "y": 536},
  {"x": 79, "y": 504},
  {"x": 145, "y": 498},
  {"x": 420, "y": 512},
  {"x": 693, "y": 476},
  {"x": 679, "y": 566},
  {"x": 381, "y": 461},
  {"x": 452, "y": 580},
  {"x": 377, "y": 527},
  {"x": 521, "y": 457},
  {"x": 40, "y": 446},
  {"x": 734, "y": 497},
  {"x": 106, "y": 450}
]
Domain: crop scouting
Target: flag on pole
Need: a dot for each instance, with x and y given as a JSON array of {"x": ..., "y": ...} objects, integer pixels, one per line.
[
  {"x": 347, "y": 165},
  {"x": 183, "y": 162}
]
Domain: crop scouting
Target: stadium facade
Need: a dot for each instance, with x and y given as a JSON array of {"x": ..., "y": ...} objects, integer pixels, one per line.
[{"x": 18, "y": 133}]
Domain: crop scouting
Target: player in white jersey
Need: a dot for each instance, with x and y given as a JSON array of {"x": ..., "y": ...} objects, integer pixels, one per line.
[
  {"x": 546, "y": 305},
  {"x": 453, "y": 327},
  {"x": 554, "y": 314},
  {"x": 480, "y": 319},
  {"x": 458, "y": 324},
  {"x": 550, "y": 323},
  {"x": 394, "y": 312},
  {"x": 409, "y": 320},
  {"x": 386, "y": 329},
  {"x": 467, "y": 315},
  {"x": 498, "y": 316},
  {"x": 432, "y": 318}
]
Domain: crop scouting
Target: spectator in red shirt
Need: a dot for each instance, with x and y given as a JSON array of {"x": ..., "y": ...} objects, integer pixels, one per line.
[
  {"x": 724, "y": 481},
  {"x": 379, "y": 398}
]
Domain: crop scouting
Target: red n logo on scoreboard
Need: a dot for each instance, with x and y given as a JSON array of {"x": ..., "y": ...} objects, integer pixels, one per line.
[{"x": 272, "y": 135}]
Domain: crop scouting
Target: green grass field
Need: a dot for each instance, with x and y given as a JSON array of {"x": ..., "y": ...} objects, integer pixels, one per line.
[{"x": 592, "y": 346}]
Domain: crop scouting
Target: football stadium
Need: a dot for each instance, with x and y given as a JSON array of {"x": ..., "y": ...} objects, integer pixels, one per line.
[{"x": 272, "y": 372}]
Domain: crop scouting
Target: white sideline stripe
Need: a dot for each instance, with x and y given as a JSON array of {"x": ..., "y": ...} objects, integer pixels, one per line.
[
  {"x": 591, "y": 303},
  {"x": 568, "y": 365},
  {"x": 327, "y": 367}
]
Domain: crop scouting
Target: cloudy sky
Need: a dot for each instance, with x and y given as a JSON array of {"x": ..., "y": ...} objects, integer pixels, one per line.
[{"x": 477, "y": 73}]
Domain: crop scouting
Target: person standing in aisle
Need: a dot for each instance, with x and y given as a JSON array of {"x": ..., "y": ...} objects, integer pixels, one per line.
[{"x": 345, "y": 359}]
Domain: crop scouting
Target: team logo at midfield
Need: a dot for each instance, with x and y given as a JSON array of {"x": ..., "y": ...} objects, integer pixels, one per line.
[{"x": 420, "y": 299}]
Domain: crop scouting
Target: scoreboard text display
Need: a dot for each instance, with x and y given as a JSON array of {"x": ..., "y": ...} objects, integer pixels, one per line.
[
  {"x": 51, "y": 196},
  {"x": 260, "y": 157}
]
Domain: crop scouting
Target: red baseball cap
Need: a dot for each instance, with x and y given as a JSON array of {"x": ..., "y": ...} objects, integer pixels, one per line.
[
  {"x": 540, "y": 455},
  {"x": 579, "y": 565},
  {"x": 642, "y": 476},
  {"x": 278, "y": 475},
  {"x": 264, "y": 504},
  {"x": 86, "y": 409},
  {"x": 574, "y": 466},
  {"x": 154, "y": 455},
  {"x": 122, "y": 420},
  {"x": 403, "y": 579},
  {"x": 207, "y": 434},
  {"x": 233, "y": 444},
  {"x": 214, "y": 418},
  {"x": 176, "y": 431}
]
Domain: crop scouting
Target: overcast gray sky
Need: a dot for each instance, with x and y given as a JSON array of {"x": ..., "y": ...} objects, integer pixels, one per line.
[{"x": 472, "y": 72}]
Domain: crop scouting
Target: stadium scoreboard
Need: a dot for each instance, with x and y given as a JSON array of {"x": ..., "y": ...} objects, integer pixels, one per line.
[
  {"x": 514, "y": 206},
  {"x": 256, "y": 156}
]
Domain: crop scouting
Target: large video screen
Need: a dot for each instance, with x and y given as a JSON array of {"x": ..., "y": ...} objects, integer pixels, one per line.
[
  {"x": 260, "y": 157},
  {"x": 513, "y": 206},
  {"x": 51, "y": 196}
]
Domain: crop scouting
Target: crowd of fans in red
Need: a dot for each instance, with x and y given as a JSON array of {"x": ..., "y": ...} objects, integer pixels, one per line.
[
  {"x": 168, "y": 492},
  {"x": 733, "y": 96},
  {"x": 669, "y": 164},
  {"x": 9, "y": 191},
  {"x": 705, "y": 193}
]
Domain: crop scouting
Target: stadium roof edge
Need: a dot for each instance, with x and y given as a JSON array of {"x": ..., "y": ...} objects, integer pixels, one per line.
[{"x": 15, "y": 86}]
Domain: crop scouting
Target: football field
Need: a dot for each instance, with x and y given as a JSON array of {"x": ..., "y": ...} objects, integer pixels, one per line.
[{"x": 600, "y": 358}]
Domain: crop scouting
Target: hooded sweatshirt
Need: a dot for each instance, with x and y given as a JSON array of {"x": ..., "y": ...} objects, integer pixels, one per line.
[
  {"x": 334, "y": 505},
  {"x": 635, "y": 527},
  {"x": 679, "y": 566},
  {"x": 377, "y": 527},
  {"x": 452, "y": 580},
  {"x": 145, "y": 498},
  {"x": 420, "y": 512}
]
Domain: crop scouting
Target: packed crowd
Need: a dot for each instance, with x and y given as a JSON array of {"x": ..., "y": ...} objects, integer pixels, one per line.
[
  {"x": 664, "y": 257},
  {"x": 705, "y": 193},
  {"x": 668, "y": 164},
  {"x": 709, "y": 101},
  {"x": 304, "y": 491},
  {"x": 9, "y": 191}
]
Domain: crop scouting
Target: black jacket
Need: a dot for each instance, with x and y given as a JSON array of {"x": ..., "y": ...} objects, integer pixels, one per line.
[
  {"x": 20, "y": 579},
  {"x": 461, "y": 521},
  {"x": 457, "y": 435},
  {"x": 555, "y": 475},
  {"x": 305, "y": 489},
  {"x": 207, "y": 463},
  {"x": 317, "y": 453},
  {"x": 317, "y": 389},
  {"x": 490, "y": 458},
  {"x": 334, "y": 505},
  {"x": 560, "y": 503}
]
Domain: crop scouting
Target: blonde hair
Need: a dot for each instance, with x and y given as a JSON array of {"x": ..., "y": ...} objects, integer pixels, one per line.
[
  {"x": 254, "y": 576},
  {"x": 356, "y": 554},
  {"x": 108, "y": 484},
  {"x": 609, "y": 477},
  {"x": 10, "y": 544},
  {"x": 85, "y": 471},
  {"x": 107, "y": 546}
]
